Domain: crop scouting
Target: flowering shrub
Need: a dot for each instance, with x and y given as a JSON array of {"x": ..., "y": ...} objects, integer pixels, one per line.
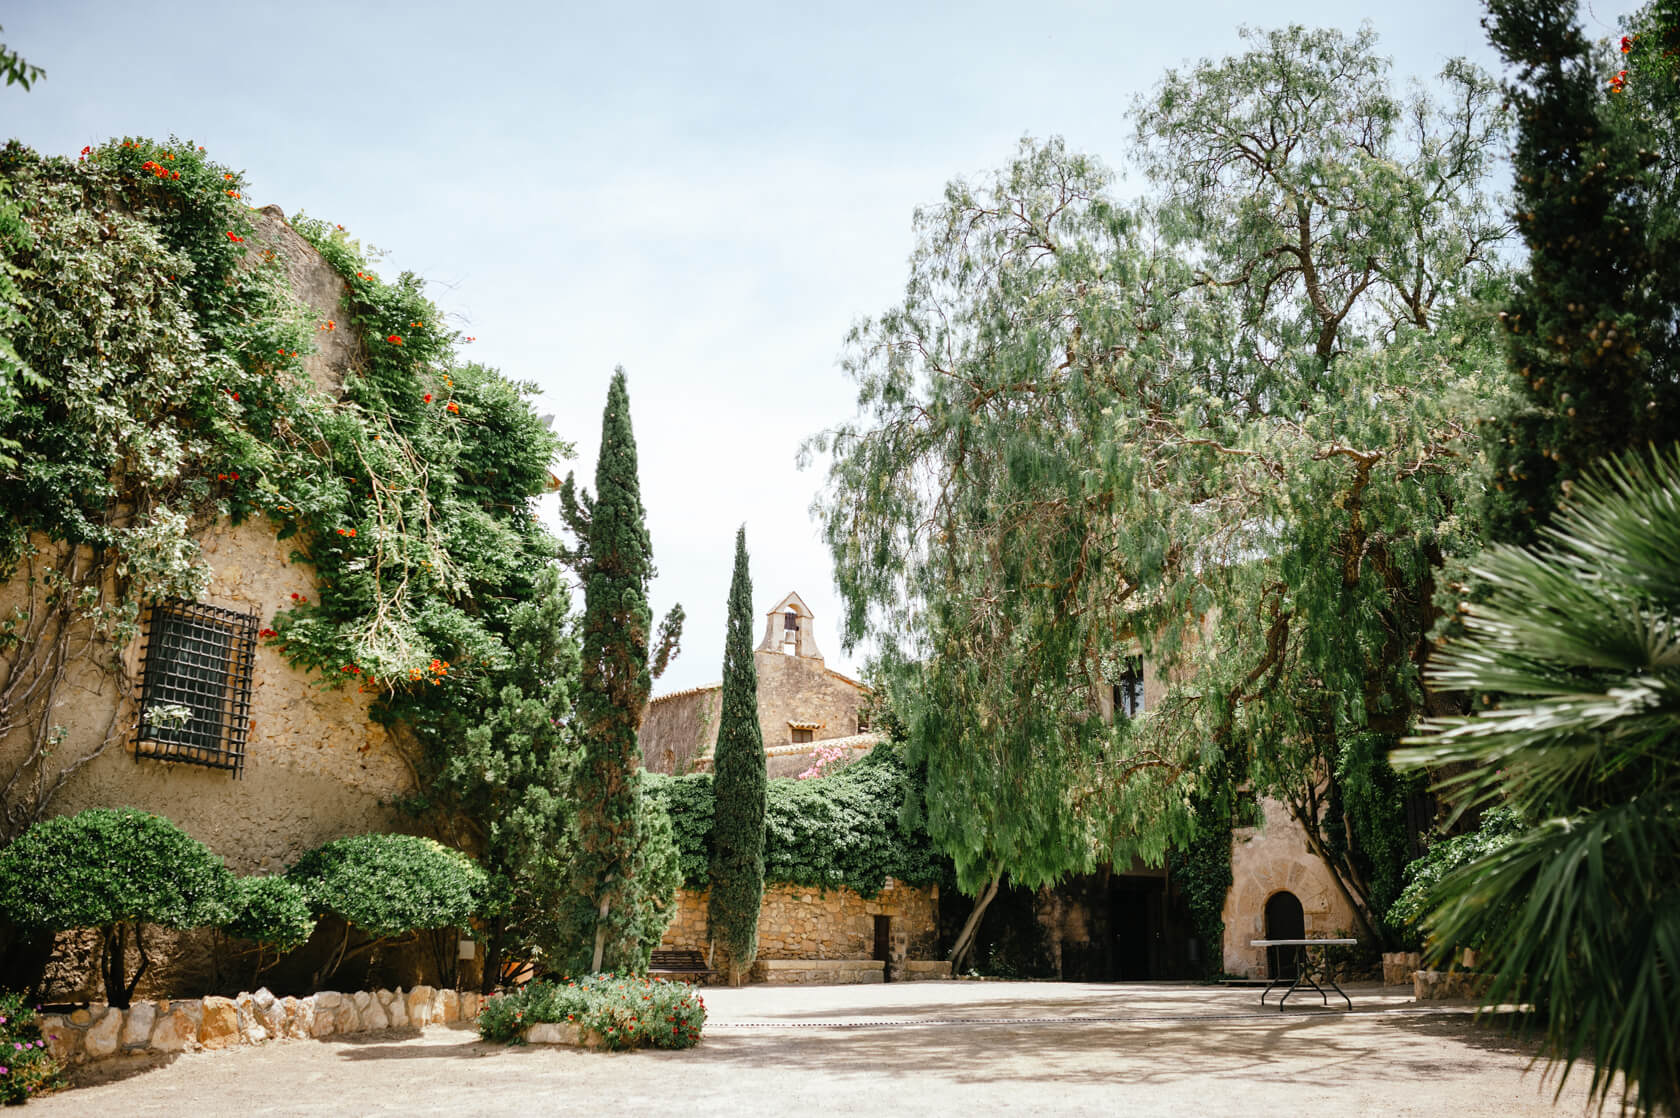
[
  {"x": 623, "y": 1012},
  {"x": 26, "y": 1066}
]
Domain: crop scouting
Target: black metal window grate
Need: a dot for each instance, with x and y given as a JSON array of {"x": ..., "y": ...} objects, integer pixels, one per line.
[
  {"x": 195, "y": 689},
  {"x": 1128, "y": 689}
]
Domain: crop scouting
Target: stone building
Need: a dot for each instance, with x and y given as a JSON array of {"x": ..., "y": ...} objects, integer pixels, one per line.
[
  {"x": 803, "y": 705},
  {"x": 1126, "y": 923},
  {"x": 269, "y": 764},
  {"x": 251, "y": 756}
]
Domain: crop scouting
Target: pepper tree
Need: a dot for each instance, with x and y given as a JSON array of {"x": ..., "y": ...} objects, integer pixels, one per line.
[{"x": 738, "y": 783}]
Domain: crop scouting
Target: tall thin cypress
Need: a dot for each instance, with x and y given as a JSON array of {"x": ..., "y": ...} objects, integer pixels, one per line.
[
  {"x": 738, "y": 784},
  {"x": 617, "y": 626}
]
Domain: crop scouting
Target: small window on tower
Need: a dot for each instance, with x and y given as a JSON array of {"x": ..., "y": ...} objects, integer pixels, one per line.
[
  {"x": 1128, "y": 689},
  {"x": 790, "y": 621},
  {"x": 801, "y": 736}
]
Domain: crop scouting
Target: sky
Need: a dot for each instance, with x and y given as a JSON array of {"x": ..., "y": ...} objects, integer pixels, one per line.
[{"x": 708, "y": 194}]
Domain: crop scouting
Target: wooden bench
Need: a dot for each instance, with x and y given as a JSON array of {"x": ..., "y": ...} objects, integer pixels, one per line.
[{"x": 689, "y": 966}]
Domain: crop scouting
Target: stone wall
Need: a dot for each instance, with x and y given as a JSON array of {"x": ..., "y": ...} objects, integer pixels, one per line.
[
  {"x": 1267, "y": 860},
  {"x": 796, "y": 922},
  {"x": 801, "y": 689},
  {"x": 100, "y": 1031},
  {"x": 315, "y": 767}
]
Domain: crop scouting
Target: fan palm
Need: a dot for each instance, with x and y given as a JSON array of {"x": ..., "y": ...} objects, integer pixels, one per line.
[{"x": 1581, "y": 912}]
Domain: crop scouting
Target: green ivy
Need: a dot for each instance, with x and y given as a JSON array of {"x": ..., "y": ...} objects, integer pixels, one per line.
[{"x": 839, "y": 831}]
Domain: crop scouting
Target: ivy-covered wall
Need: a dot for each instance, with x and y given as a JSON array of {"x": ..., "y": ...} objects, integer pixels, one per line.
[
  {"x": 839, "y": 831},
  {"x": 213, "y": 403}
]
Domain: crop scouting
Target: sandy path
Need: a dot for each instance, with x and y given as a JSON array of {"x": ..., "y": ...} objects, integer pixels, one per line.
[{"x": 959, "y": 1048}]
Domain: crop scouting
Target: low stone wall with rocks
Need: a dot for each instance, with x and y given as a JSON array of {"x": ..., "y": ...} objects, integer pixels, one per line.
[
  {"x": 818, "y": 972},
  {"x": 1448, "y": 985},
  {"x": 100, "y": 1031},
  {"x": 1398, "y": 967},
  {"x": 799, "y": 922}
]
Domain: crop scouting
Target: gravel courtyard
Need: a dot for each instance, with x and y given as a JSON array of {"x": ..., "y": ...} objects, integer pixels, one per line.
[{"x": 965, "y": 1048}]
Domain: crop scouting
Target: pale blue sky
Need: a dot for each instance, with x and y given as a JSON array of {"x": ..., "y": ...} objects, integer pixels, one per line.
[{"x": 706, "y": 193}]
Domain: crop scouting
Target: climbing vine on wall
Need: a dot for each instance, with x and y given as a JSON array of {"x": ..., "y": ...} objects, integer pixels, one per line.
[{"x": 166, "y": 389}]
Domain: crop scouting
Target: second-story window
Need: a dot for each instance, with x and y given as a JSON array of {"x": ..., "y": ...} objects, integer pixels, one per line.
[{"x": 1128, "y": 689}]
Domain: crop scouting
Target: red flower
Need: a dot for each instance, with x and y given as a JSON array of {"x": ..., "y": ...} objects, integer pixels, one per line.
[
  {"x": 89, "y": 148},
  {"x": 1627, "y": 44},
  {"x": 174, "y": 174},
  {"x": 267, "y": 633},
  {"x": 395, "y": 339},
  {"x": 454, "y": 407},
  {"x": 427, "y": 397},
  {"x": 235, "y": 238}
]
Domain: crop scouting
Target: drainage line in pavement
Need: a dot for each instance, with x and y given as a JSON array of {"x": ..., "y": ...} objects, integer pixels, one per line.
[{"x": 927, "y": 1021}]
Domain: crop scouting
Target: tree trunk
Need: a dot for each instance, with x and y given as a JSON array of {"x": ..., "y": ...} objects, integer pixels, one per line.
[
  {"x": 965, "y": 938},
  {"x": 113, "y": 948},
  {"x": 601, "y": 934},
  {"x": 491, "y": 977}
]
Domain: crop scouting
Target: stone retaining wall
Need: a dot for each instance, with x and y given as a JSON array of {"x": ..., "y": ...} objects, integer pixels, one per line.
[
  {"x": 1448, "y": 985},
  {"x": 799, "y": 922},
  {"x": 1398, "y": 967},
  {"x": 818, "y": 972},
  {"x": 100, "y": 1031}
]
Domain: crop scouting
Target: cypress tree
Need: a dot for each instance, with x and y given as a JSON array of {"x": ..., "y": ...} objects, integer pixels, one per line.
[
  {"x": 738, "y": 783},
  {"x": 615, "y": 562},
  {"x": 1591, "y": 343}
]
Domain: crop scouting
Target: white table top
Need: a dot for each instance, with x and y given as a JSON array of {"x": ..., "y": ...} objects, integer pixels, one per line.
[{"x": 1302, "y": 942}]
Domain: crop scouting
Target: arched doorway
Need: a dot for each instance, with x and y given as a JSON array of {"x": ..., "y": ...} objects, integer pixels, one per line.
[{"x": 1284, "y": 920}]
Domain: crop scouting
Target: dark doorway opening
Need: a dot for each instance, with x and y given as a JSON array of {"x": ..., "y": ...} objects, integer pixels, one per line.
[
  {"x": 1284, "y": 920},
  {"x": 1136, "y": 927},
  {"x": 883, "y": 944}
]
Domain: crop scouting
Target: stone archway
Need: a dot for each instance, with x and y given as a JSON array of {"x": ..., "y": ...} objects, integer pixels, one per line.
[{"x": 1285, "y": 919}]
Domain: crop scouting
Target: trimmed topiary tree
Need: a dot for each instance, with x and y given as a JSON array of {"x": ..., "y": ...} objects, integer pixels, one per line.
[
  {"x": 272, "y": 913},
  {"x": 388, "y": 886},
  {"x": 738, "y": 783},
  {"x": 114, "y": 869}
]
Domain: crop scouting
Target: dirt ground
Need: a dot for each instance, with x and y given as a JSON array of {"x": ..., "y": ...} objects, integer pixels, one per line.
[{"x": 957, "y": 1048}]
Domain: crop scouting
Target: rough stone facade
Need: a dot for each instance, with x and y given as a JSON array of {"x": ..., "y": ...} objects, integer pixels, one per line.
[
  {"x": 100, "y": 1031},
  {"x": 315, "y": 767},
  {"x": 1271, "y": 859},
  {"x": 797, "y": 922},
  {"x": 798, "y": 698}
]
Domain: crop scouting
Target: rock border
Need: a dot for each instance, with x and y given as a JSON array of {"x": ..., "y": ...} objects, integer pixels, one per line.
[{"x": 197, "y": 1024}]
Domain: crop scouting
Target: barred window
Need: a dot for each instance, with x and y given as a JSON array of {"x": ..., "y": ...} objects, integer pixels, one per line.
[
  {"x": 1128, "y": 689},
  {"x": 195, "y": 690}
]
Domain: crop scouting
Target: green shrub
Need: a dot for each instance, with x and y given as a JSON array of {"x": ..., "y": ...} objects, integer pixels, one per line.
[
  {"x": 623, "y": 1012},
  {"x": 389, "y": 885},
  {"x": 273, "y": 914},
  {"x": 27, "y": 1067},
  {"x": 270, "y": 911},
  {"x": 1498, "y": 828},
  {"x": 839, "y": 831},
  {"x": 114, "y": 869}
]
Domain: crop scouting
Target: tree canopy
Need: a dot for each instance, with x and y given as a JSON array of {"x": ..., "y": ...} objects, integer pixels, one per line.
[{"x": 1228, "y": 422}]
